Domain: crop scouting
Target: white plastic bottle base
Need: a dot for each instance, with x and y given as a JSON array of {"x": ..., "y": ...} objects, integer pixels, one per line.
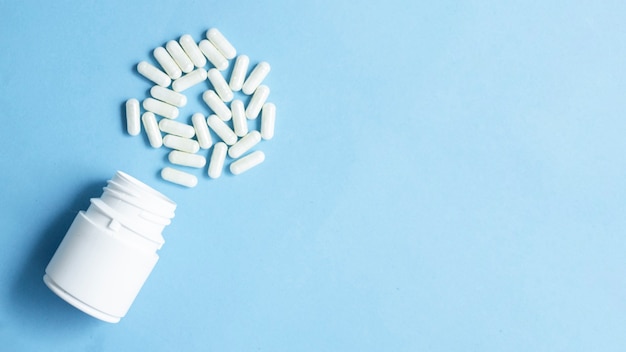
[
  {"x": 77, "y": 303},
  {"x": 110, "y": 250}
]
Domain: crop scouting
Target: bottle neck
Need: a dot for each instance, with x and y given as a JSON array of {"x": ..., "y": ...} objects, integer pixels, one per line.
[{"x": 133, "y": 212}]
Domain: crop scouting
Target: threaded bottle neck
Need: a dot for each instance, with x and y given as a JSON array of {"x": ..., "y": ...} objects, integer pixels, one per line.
[{"x": 133, "y": 208}]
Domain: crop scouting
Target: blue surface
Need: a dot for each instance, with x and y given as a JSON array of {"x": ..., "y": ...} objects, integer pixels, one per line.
[{"x": 445, "y": 176}]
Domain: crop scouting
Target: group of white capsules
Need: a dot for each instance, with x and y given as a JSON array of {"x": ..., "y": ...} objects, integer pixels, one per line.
[{"x": 184, "y": 65}]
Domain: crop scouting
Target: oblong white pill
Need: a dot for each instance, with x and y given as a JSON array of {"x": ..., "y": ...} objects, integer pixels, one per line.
[
  {"x": 165, "y": 60},
  {"x": 213, "y": 55},
  {"x": 179, "y": 177},
  {"x": 152, "y": 129},
  {"x": 222, "y": 130},
  {"x": 239, "y": 72},
  {"x": 217, "y": 105},
  {"x": 257, "y": 76},
  {"x": 186, "y": 159},
  {"x": 160, "y": 108},
  {"x": 268, "y": 120},
  {"x": 216, "y": 164},
  {"x": 180, "y": 143},
  {"x": 244, "y": 144},
  {"x": 176, "y": 128},
  {"x": 168, "y": 96},
  {"x": 189, "y": 80},
  {"x": 133, "y": 120},
  {"x": 180, "y": 57},
  {"x": 202, "y": 130},
  {"x": 192, "y": 50},
  {"x": 221, "y": 43},
  {"x": 257, "y": 101},
  {"x": 219, "y": 84},
  {"x": 154, "y": 74},
  {"x": 247, "y": 162},
  {"x": 239, "y": 118}
]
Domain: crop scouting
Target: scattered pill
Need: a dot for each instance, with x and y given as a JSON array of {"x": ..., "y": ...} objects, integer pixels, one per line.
[
  {"x": 133, "y": 120},
  {"x": 244, "y": 144},
  {"x": 239, "y": 73},
  {"x": 213, "y": 55},
  {"x": 257, "y": 101},
  {"x": 217, "y": 105},
  {"x": 239, "y": 117},
  {"x": 257, "y": 76},
  {"x": 152, "y": 129},
  {"x": 189, "y": 80},
  {"x": 192, "y": 50},
  {"x": 216, "y": 164},
  {"x": 247, "y": 162},
  {"x": 180, "y": 57},
  {"x": 176, "y": 128},
  {"x": 168, "y": 96},
  {"x": 268, "y": 119},
  {"x": 179, "y": 177},
  {"x": 222, "y": 130},
  {"x": 219, "y": 84},
  {"x": 221, "y": 43},
  {"x": 186, "y": 159},
  {"x": 165, "y": 60},
  {"x": 160, "y": 108},
  {"x": 202, "y": 131},
  {"x": 180, "y": 143},
  {"x": 154, "y": 74}
]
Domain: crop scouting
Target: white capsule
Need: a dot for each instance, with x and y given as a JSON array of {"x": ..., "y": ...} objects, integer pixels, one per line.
[
  {"x": 217, "y": 105},
  {"x": 256, "y": 77},
  {"x": 165, "y": 60},
  {"x": 219, "y": 84},
  {"x": 180, "y": 57},
  {"x": 257, "y": 101},
  {"x": 239, "y": 72},
  {"x": 154, "y": 74},
  {"x": 180, "y": 143},
  {"x": 221, "y": 43},
  {"x": 244, "y": 144},
  {"x": 133, "y": 120},
  {"x": 216, "y": 164},
  {"x": 152, "y": 129},
  {"x": 202, "y": 131},
  {"x": 239, "y": 118},
  {"x": 268, "y": 119},
  {"x": 179, "y": 177},
  {"x": 168, "y": 96},
  {"x": 189, "y": 80},
  {"x": 186, "y": 159},
  {"x": 192, "y": 50},
  {"x": 176, "y": 128},
  {"x": 213, "y": 55},
  {"x": 222, "y": 130},
  {"x": 160, "y": 108},
  {"x": 247, "y": 162}
]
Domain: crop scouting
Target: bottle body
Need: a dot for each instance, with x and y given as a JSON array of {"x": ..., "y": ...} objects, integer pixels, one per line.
[{"x": 110, "y": 250}]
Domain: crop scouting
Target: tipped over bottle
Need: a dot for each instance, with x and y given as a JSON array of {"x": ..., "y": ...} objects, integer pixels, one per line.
[{"x": 110, "y": 249}]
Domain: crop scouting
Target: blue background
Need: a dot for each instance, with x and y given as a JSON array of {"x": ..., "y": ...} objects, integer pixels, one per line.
[{"x": 445, "y": 176}]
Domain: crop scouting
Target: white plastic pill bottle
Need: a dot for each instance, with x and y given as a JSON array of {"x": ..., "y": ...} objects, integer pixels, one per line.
[{"x": 110, "y": 249}]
